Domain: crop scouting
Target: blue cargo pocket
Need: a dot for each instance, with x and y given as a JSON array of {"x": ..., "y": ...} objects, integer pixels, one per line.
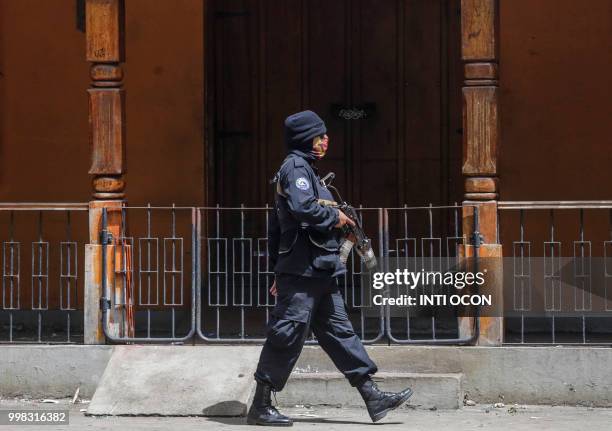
[
  {"x": 287, "y": 326},
  {"x": 339, "y": 321}
]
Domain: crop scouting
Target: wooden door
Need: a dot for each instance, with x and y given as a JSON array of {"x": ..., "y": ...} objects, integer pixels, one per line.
[{"x": 380, "y": 74}]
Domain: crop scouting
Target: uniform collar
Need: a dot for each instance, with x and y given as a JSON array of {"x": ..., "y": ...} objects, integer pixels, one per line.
[{"x": 308, "y": 157}]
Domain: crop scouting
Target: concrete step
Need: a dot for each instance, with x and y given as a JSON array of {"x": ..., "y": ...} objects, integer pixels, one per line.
[
  {"x": 442, "y": 391},
  {"x": 176, "y": 381}
]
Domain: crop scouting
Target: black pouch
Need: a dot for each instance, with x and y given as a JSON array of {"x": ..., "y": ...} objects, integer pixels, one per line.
[{"x": 324, "y": 250}]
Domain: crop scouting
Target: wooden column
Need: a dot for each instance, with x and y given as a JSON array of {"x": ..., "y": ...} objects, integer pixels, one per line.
[
  {"x": 481, "y": 140},
  {"x": 105, "y": 52},
  {"x": 3, "y": 36}
]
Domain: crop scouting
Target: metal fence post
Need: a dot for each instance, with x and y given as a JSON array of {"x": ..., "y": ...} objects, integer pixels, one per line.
[{"x": 92, "y": 324}]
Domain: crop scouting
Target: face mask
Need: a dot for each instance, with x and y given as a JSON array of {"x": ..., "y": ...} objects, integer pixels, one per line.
[{"x": 319, "y": 146}]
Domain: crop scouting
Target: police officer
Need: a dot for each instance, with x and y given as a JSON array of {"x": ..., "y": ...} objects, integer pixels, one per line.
[{"x": 303, "y": 244}]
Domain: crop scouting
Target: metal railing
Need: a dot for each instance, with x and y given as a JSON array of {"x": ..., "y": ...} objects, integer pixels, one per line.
[
  {"x": 429, "y": 238},
  {"x": 230, "y": 275},
  {"x": 177, "y": 274},
  {"x": 42, "y": 270},
  {"x": 235, "y": 301},
  {"x": 150, "y": 295},
  {"x": 560, "y": 271},
  {"x": 200, "y": 274}
]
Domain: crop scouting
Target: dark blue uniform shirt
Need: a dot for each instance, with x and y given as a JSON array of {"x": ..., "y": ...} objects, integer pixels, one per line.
[{"x": 302, "y": 239}]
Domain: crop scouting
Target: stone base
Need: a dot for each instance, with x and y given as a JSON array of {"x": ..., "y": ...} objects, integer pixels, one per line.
[{"x": 176, "y": 381}]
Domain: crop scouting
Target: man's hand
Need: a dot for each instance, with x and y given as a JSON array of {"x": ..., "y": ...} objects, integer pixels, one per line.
[
  {"x": 273, "y": 289},
  {"x": 344, "y": 219}
]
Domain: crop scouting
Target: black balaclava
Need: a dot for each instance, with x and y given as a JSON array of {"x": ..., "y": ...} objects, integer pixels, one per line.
[{"x": 300, "y": 129}]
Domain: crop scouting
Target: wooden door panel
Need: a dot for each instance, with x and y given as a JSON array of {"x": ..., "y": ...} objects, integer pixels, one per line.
[
  {"x": 282, "y": 82},
  {"x": 425, "y": 87},
  {"x": 375, "y": 81},
  {"x": 273, "y": 58},
  {"x": 326, "y": 80},
  {"x": 423, "y": 78},
  {"x": 378, "y": 186},
  {"x": 236, "y": 83}
]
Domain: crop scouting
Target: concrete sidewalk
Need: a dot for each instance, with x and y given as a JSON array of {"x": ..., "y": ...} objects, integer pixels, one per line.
[
  {"x": 486, "y": 417},
  {"x": 520, "y": 374}
]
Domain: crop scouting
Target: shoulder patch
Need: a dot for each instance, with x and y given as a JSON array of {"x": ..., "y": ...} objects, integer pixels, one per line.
[
  {"x": 302, "y": 183},
  {"x": 298, "y": 161}
]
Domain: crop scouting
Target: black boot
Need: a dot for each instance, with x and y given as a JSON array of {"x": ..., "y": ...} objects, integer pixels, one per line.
[
  {"x": 380, "y": 403},
  {"x": 262, "y": 412}
]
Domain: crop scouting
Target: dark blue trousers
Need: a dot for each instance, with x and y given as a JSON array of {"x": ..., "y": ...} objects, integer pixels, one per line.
[{"x": 304, "y": 303}]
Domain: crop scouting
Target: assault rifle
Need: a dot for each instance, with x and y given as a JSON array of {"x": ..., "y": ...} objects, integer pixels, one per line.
[{"x": 354, "y": 236}]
